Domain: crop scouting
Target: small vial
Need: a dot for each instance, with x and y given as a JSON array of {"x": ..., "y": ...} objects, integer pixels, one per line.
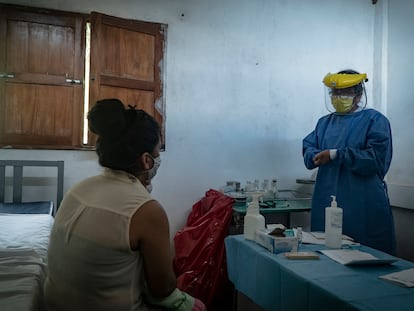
[
  {"x": 274, "y": 187},
  {"x": 265, "y": 185},
  {"x": 249, "y": 186},
  {"x": 256, "y": 185},
  {"x": 299, "y": 235}
]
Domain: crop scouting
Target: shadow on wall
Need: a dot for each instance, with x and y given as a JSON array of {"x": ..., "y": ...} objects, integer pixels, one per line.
[{"x": 404, "y": 232}]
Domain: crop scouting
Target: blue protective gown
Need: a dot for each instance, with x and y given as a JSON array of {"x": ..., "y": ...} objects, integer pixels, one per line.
[{"x": 356, "y": 176}]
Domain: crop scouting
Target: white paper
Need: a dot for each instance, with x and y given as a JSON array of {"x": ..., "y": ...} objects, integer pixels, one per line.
[
  {"x": 321, "y": 235},
  {"x": 354, "y": 257},
  {"x": 319, "y": 238},
  {"x": 404, "y": 278}
]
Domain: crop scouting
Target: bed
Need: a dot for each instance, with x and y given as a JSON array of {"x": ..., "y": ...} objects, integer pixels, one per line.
[
  {"x": 24, "y": 234},
  {"x": 23, "y": 260}
]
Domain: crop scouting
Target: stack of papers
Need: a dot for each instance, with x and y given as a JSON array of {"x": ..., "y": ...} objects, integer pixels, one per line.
[
  {"x": 353, "y": 257},
  {"x": 319, "y": 238},
  {"x": 404, "y": 278}
]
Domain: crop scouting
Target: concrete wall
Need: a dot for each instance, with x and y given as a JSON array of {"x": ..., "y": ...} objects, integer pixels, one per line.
[{"x": 243, "y": 86}]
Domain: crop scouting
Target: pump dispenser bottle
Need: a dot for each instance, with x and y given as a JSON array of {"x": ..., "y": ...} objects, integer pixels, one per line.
[
  {"x": 253, "y": 220},
  {"x": 333, "y": 225}
]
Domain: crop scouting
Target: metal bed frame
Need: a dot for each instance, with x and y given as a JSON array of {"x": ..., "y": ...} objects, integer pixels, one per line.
[{"x": 19, "y": 207}]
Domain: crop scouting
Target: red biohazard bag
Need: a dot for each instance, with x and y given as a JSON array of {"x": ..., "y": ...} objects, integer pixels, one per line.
[{"x": 200, "y": 258}]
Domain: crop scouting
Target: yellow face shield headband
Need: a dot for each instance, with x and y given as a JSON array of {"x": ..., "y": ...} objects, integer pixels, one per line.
[{"x": 343, "y": 80}]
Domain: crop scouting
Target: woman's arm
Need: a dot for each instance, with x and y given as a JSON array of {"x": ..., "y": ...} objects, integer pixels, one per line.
[
  {"x": 149, "y": 232},
  {"x": 310, "y": 150},
  {"x": 375, "y": 156}
]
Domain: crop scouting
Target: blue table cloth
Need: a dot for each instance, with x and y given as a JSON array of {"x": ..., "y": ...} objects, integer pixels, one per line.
[{"x": 276, "y": 283}]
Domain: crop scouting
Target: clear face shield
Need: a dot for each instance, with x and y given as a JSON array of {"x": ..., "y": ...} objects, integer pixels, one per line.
[{"x": 345, "y": 100}]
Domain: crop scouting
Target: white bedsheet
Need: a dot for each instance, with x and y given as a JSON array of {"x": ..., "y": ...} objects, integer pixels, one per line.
[
  {"x": 26, "y": 231},
  {"x": 23, "y": 253}
]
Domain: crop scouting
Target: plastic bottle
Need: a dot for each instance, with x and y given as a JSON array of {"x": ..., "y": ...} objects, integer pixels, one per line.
[
  {"x": 333, "y": 225},
  {"x": 253, "y": 220}
]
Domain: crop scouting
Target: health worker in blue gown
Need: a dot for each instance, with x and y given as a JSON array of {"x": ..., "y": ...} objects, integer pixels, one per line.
[{"x": 352, "y": 149}]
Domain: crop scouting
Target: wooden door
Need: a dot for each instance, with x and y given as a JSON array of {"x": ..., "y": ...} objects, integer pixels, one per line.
[
  {"x": 130, "y": 63},
  {"x": 41, "y": 74}
]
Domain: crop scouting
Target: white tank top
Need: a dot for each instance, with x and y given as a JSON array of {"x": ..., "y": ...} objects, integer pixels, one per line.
[{"x": 91, "y": 265}]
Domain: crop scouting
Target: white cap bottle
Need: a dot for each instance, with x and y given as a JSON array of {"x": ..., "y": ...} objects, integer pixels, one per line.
[
  {"x": 253, "y": 220},
  {"x": 333, "y": 225}
]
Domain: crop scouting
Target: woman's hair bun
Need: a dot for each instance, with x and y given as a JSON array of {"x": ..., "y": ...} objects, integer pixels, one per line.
[{"x": 107, "y": 118}]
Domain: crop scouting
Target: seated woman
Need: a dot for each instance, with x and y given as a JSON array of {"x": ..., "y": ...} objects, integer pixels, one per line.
[{"x": 110, "y": 246}]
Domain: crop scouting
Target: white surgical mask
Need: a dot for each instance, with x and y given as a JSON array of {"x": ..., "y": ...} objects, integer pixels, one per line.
[{"x": 153, "y": 171}]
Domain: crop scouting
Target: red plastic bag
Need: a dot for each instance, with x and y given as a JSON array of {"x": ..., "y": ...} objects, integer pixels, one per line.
[{"x": 200, "y": 262}]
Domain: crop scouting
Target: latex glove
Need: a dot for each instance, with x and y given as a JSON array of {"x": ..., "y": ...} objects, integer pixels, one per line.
[{"x": 178, "y": 301}]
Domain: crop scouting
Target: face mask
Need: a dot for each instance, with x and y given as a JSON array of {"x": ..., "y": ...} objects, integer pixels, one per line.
[
  {"x": 153, "y": 171},
  {"x": 342, "y": 104}
]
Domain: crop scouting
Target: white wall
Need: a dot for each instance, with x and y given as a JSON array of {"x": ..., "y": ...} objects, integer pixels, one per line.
[
  {"x": 400, "y": 94},
  {"x": 243, "y": 87},
  {"x": 400, "y": 100}
]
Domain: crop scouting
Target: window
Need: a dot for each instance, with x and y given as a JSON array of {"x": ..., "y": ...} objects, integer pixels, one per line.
[{"x": 52, "y": 71}]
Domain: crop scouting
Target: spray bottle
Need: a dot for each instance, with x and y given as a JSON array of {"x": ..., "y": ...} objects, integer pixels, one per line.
[
  {"x": 253, "y": 220},
  {"x": 333, "y": 225}
]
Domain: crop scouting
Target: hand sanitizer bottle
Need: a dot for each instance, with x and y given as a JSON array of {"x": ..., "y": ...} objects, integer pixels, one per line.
[
  {"x": 333, "y": 225},
  {"x": 253, "y": 220}
]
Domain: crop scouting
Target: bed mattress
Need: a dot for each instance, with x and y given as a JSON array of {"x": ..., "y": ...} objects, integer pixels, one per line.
[{"x": 23, "y": 257}]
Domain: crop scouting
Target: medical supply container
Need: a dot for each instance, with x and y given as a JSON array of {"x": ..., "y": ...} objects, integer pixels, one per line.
[
  {"x": 333, "y": 225},
  {"x": 253, "y": 221},
  {"x": 275, "y": 244}
]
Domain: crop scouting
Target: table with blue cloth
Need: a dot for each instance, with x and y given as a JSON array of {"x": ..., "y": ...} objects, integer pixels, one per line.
[{"x": 275, "y": 282}]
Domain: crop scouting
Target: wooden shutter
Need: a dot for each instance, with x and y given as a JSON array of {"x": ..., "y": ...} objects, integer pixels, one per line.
[
  {"x": 40, "y": 57},
  {"x": 127, "y": 63}
]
